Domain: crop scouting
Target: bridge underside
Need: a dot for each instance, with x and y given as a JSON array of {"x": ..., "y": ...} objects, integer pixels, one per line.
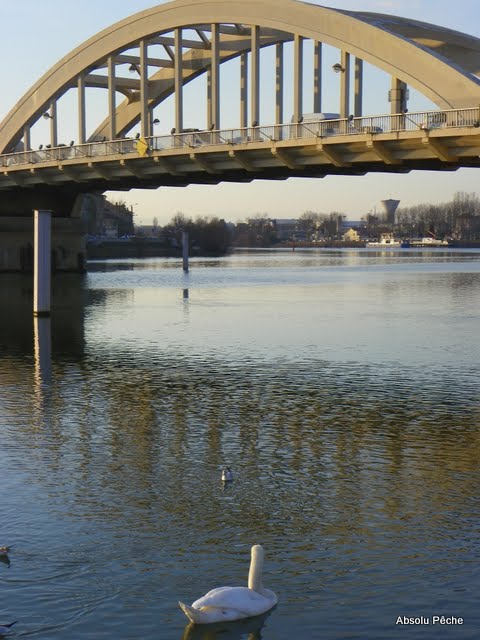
[{"x": 54, "y": 182}]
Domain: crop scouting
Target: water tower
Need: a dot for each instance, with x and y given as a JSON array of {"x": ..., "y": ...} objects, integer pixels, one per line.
[{"x": 389, "y": 207}]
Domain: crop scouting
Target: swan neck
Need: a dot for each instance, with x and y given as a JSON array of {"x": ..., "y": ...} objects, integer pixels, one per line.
[{"x": 256, "y": 568}]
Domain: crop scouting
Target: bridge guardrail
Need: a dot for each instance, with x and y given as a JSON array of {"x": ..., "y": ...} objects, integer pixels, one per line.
[{"x": 193, "y": 139}]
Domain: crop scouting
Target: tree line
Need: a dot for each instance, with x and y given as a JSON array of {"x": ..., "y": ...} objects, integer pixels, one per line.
[{"x": 458, "y": 219}]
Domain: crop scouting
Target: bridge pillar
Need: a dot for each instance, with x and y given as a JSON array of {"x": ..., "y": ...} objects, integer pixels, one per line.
[
  {"x": 244, "y": 90},
  {"x": 42, "y": 263},
  {"x": 345, "y": 85},
  {"x": 255, "y": 77},
  {"x": 398, "y": 96},
  {"x": 279, "y": 83},
  {"x": 178, "y": 79},
  {"x": 317, "y": 78},
  {"x": 298, "y": 79},
  {"x": 358, "y": 89}
]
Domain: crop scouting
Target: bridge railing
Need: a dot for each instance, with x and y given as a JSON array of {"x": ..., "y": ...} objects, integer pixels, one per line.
[{"x": 195, "y": 138}]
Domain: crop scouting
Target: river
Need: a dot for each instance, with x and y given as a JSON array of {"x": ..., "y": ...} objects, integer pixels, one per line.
[{"x": 341, "y": 387}]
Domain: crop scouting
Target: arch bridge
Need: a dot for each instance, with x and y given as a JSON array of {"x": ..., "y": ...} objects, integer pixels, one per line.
[{"x": 145, "y": 63}]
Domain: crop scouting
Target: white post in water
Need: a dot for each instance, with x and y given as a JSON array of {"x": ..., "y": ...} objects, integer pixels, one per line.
[
  {"x": 185, "y": 250},
  {"x": 42, "y": 263}
]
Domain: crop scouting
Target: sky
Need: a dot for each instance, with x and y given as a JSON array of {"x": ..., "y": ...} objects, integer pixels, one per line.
[{"x": 36, "y": 34}]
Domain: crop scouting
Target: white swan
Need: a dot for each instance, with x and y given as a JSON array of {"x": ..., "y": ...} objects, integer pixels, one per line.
[
  {"x": 227, "y": 475},
  {"x": 234, "y": 603}
]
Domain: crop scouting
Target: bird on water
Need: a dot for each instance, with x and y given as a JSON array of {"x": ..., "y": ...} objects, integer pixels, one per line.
[
  {"x": 227, "y": 475},
  {"x": 226, "y": 604}
]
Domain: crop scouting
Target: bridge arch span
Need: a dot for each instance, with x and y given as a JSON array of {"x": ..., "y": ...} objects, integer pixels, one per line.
[{"x": 441, "y": 64}]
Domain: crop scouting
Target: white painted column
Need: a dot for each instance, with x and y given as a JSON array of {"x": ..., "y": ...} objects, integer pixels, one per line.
[{"x": 42, "y": 262}]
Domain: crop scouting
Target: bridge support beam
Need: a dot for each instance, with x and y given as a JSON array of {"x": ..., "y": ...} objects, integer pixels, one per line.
[
  {"x": 298, "y": 79},
  {"x": 42, "y": 262},
  {"x": 279, "y": 83},
  {"x": 398, "y": 96},
  {"x": 345, "y": 85},
  {"x": 178, "y": 73},
  {"x": 214, "y": 81},
  {"x": 53, "y": 124},
  {"x": 358, "y": 88},
  {"x": 145, "y": 119},
  {"x": 255, "y": 77},
  {"x": 82, "y": 127},
  {"x": 244, "y": 90},
  {"x": 317, "y": 78}
]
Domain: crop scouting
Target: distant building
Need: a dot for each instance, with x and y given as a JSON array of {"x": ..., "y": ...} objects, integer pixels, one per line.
[{"x": 351, "y": 235}]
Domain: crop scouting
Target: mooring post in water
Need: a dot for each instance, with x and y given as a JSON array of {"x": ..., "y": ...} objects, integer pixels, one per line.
[
  {"x": 42, "y": 262},
  {"x": 185, "y": 250}
]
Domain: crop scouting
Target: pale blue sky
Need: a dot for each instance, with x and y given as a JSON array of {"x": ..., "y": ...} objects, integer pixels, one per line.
[{"x": 36, "y": 34}]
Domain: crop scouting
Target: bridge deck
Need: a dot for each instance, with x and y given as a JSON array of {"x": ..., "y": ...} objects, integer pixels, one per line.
[{"x": 393, "y": 143}]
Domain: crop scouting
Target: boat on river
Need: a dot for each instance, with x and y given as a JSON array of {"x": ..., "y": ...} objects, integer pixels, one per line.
[
  {"x": 428, "y": 242},
  {"x": 386, "y": 241}
]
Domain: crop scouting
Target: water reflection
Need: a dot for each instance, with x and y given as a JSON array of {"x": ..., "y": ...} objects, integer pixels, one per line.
[
  {"x": 42, "y": 333},
  {"x": 250, "y": 629}
]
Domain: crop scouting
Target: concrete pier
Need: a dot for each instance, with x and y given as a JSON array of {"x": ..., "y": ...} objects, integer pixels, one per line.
[{"x": 42, "y": 262}]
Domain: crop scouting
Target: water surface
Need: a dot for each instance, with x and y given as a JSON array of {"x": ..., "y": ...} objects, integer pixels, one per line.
[{"x": 342, "y": 387}]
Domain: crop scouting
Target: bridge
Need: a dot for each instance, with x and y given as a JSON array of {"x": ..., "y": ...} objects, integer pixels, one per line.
[{"x": 116, "y": 83}]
